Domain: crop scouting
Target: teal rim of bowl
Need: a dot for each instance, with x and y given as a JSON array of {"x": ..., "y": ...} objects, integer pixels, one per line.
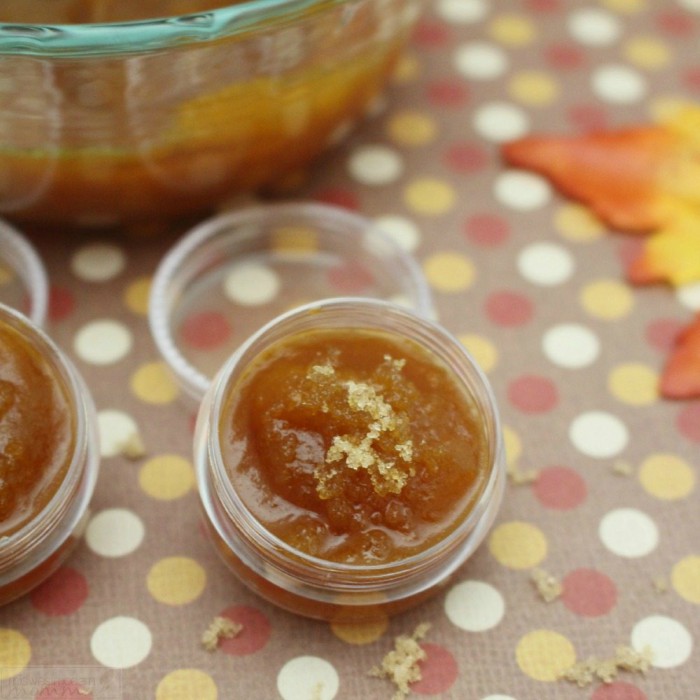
[{"x": 128, "y": 38}]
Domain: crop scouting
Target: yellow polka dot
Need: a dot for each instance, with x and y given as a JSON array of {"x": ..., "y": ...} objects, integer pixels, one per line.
[
  {"x": 667, "y": 477},
  {"x": 186, "y": 683},
  {"x": 154, "y": 384},
  {"x": 544, "y": 655},
  {"x": 136, "y": 295},
  {"x": 627, "y": 7},
  {"x": 407, "y": 69},
  {"x": 176, "y": 580},
  {"x": 15, "y": 652},
  {"x": 646, "y": 52},
  {"x": 685, "y": 578},
  {"x": 358, "y": 634},
  {"x": 513, "y": 445},
  {"x": 533, "y": 88},
  {"x": 634, "y": 383},
  {"x": 481, "y": 349},
  {"x": 167, "y": 477},
  {"x": 449, "y": 272},
  {"x": 607, "y": 299},
  {"x": 513, "y": 30},
  {"x": 294, "y": 240},
  {"x": 577, "y": 223},
  {"x": 429, "y": 196},
  {"x": 411, "y": 128},
  {"x": 518, "y": 545}
]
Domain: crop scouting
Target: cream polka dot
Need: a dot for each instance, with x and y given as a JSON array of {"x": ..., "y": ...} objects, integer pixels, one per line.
[
  {"x": 375, "y": 165},
  {"x": 690, "y": 5},
  {"x": 521, "y": 190},
  {"x": 462, "y": 11},
  {"x": 176, "y": 580},
  {"x": 545, "y": 264},
  {"x": 114, "y": 532},
  {"x": 500, "y": 121},
  {"x": 513, "y": 445},
  {"x": 481, "y": 349},
  {"x": 167, "y": 477},
  {"x": 98, "y": 262},
  {"x": 518, "y": 545},
  {"x": 449, "y": 272},
  {"x": 410, "y": 128},
  {"x": 594, "y": 27},
  {"x": 689, "y": 296},
  {"x": 15, "y": 652},
  {"x": 634, "y": 383},
  {"x": 667, "y": 477},
  {"x": 685, "y": 579},
  {"x": 578, "y": 223},
  {"x": 359, "y": 634},
  {"x": 533, "y": 88},
  {"x": 153, "y": 383},
  {"x": 102, "y": 342},
  {"x": 116, "y": 429},
  {"x": 430, "y": 196},
  {"x": 187, "y": 683},
  {"x": 669, "y": 640},
  {"x": 121, "y": 642},
  {"x": 647, "y": 52},
  {"x": 628, "y": 532},
  {"x": 598, "y": 434},
  {"x": 512, "y": 30},
  {"x": 609, "y": 300},
  {"x": 251, "y": 284},
  {"x": 544, "y": 654},
  {"x": 571, "y": 345},
  {"x": 474, "y": 606},
  {"x": 618, "y": 84},
  {"x": 137, "y": 294},
  {"x": 307, "y": 676},
  {"x": 480, "y": 60},
  {"x": 405, "y": 232}
]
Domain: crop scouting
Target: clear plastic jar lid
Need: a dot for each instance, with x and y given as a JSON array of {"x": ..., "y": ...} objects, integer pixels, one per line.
[
  {"x": 23, "y": 281},
  {"x": 236, "y": 271}
]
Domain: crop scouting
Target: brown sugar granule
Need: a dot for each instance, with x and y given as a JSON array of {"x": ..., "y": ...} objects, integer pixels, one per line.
[
  {"x": 594, "y": 669},
  {"x": 548, "y": 587},
  {"x": 400, "y": 665},
  {"x": 133, "y": 447},
  {"x": 622, "y": 468},
  {"x": 521, "y": 477},
  {"x": 660, "y": 584},
  {"x": 219, "y": 628}
]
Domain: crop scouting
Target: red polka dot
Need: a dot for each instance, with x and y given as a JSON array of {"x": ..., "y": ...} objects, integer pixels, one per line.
[
  {"x": 254, "y": 635},
  {"x": 564, "y": 56},
  {"x": 439, "y": 671},
  {"x": 560, "y": 488},
  {"x": 205, "y": 330},
  {"x": 61, "y": 303},
  {"x": 431, "y": 34},
  {"x": 691, "y": 79},
  {"x": 338, "y": 196},
  {"x": 488, "y": 230},
  {"x": 509, "y": 308},
  {"x": 350, "y": 278},
  {"x": 587, "y": 117},
  {"x": 447, "y": 93},
  {"x": 677, "y": 24},
  {"x": 619, "y": 690},
  {"x": 533, "y": 394},
  {"x": 662, "y": 333},
  {"x": 465, "y": 157},
  {"x": 65, "y": 690},
  {"x": 688, "y": 422},
  {"x": 588, "y": 593},
  {"x": 61, "y": 594}
]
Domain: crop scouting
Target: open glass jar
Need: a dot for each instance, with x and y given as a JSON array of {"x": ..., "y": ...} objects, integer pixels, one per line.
[
  {"x": 355, "y": 586},
  {"x": 49, "y": 457}
]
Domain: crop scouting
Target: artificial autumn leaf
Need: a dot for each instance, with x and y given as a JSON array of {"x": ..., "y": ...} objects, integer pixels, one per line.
[
  {"x": 672, "y": 254},
  {"x": 680, "y": 378}
]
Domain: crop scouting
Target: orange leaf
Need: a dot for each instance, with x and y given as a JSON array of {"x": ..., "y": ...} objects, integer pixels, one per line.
[{"x": 680, "y": 378}]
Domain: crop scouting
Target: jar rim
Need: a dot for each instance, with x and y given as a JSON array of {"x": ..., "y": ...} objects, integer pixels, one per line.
[
  {"x": 123, "y": 38},
  {"x": 284, "y": 552},
  {"x": 34, "y": 532}
]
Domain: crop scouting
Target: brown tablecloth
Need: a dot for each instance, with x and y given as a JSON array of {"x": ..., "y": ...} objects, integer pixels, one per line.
[{"x": 535, "y": 288}]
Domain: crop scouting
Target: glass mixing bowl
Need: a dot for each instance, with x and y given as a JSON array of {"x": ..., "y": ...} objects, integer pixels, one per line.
[{"x": 117, "y": 122}]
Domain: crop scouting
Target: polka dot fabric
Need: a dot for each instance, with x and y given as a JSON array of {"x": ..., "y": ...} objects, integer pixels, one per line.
[{"x": 531, "y": 284}]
